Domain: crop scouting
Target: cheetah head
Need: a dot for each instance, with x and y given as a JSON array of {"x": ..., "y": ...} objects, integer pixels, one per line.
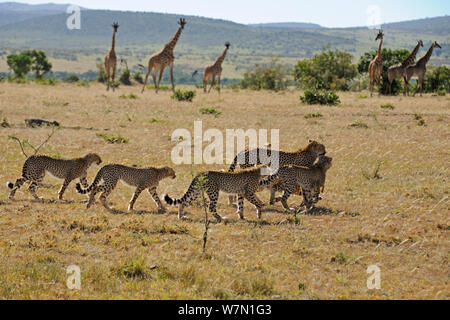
[
  {"x": 170, "y": 172},
  {"x": 325, "y": 162},
  {"x": 316, "y": 148},
  {"x": 94, "y": 158}
]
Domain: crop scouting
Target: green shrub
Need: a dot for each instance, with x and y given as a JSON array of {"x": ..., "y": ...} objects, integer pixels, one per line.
[
  {"x": 313, "y": 115},
  {"x": 441, "y": 92},
  {"x": 181, "y": 95},
  {"x": 330, "y": 70},
  {"x": 137, "y": 76},
  {"x": 101, "y": 73},
  {"x": 272, "y": 76},
  {"x": 72, "y": 78},
  {"x": 161, "y": 87},
  {"x": 125, "y": 77},
  {"x": 113, "y": 139},
  {"x": 46, "y": 81},
  {"x": 130, "y": 96},
  {"x": 313, "y": 96},
  {"x": 358, "y": 124},
  {"x": 82, "y": 83},
  {"x": 387, "y": 106},
  {"x": 211, "y": 111}
]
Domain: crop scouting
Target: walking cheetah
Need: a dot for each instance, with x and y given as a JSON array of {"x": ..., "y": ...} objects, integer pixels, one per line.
[
  {"x": 301, "y": 157},
  {"x": 35, "y": 168},
  {"x": 141, "y": 178},
  {"x": 311, "y": 180},
  {"x": 244, "y": 183}
]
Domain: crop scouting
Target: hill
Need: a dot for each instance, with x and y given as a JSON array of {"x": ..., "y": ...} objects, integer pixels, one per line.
[{"x": 299, "y": 25}]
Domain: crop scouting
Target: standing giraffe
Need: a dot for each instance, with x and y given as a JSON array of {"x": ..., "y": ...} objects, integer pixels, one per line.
[
  {"x": 111, "y": 59},
  {"x": 398, "y": 70},
  {"x": 418, "y": 70},
  {"x": 376, "y": 65},
  {"x": 215, "y": 70},
  {"x": 163, "y": 58}
]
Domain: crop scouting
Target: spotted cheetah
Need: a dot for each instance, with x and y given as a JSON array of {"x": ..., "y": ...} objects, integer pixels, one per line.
[
  {"x": 36, "y": 167},
  {"x": 302, "y": 157},
  {"x": 244, "y": 183},
  {"x": 141, "y": 178},
  {"x": 311, "y": 180}
]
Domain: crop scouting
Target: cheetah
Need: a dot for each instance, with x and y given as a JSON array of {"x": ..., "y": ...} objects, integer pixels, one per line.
[
  {"x": 302, "y": 157},
  {"x": 243, "y": 183},
  {"x": 35, "y": 168},
  {"x": 141, "y": 178},
  {"x": 311, "y": 180}
]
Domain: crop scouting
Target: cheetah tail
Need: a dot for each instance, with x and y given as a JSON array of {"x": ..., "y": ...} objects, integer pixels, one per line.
[
  {"x": 190, "y": 195},
  {"x": 10, "y": 185},
  {"x": 233, "y": 164},
  {"x": 92, "y": 186},
  {"x": 269, "y": 180}
]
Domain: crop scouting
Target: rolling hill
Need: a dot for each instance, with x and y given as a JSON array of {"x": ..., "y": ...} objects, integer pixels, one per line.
[{"x": 141, "y": 33}]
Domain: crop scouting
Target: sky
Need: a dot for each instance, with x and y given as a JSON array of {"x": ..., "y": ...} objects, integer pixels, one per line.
[{"x": 328, "y": 13}]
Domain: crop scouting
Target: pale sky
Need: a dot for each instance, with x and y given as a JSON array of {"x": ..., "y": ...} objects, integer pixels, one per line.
[{"x": 328, "y": 13}]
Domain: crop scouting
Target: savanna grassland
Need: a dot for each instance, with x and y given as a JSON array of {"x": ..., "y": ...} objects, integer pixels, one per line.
[{"x": 385, "y": 200}]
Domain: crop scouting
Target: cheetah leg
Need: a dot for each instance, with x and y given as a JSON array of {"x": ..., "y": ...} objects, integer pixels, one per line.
[
  {"x": 103, "y": 200},
  {"x": 180, "y": 212},
  {"x": 240, "y": 210},
  {"x": 253, "y": 199},
  {"x": 232, "y": 200},
  {"x": 213, "y": 197},
  {"x": 91, "y": 198},
  {"x": 286, "y": 194},
  {"x": 34, "y": 185},
  {"x": 272, "y": 196},
  {"x": 17, "y": 185},
  {"x": 136, "y": 194},
  {"x": 64, "y": 186},
  {"x": 84, "y": 182},
  {"x": 155, "y": 197}
]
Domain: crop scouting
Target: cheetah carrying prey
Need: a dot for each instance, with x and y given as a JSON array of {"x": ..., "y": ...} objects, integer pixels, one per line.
[
  {"x": 35, "y": 168},
  {"x": 301, "y": 157},
  {"x": 311, "y": 180},
  {"x": 244, "y": 183},
  {"x": 141, "y": 178}
]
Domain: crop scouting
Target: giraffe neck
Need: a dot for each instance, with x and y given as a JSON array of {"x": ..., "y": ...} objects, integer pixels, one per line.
[
  {"x": 410, "y": 59},
  {"x": 424, "y": 60},
  {"x": 220, "y": 59},
  {"x": 171, "y": 44},
  {"x": 379, "y": 49},
  {"x": 113, "y": 44}
]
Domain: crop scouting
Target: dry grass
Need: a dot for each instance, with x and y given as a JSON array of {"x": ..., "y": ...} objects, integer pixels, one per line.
[{"x": 385, "y": 201}]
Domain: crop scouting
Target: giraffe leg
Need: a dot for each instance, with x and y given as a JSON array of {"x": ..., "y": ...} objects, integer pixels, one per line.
[
  {"x": 107, "y": 76},
  {"x": 421, "y": 85},
  {"x": 160, "y": 76},
  {"x": 150, "y": 67},
  {"x": 113, "y": 76},
  {"x": 213, "y": 82},
  {"x": 218, "y": 80},
  {"x": 154, "y": 80},
  {"x": 205, "y": 82},
  {"x": 406, "y": 88},
  {"x": 171, "y": 77}
]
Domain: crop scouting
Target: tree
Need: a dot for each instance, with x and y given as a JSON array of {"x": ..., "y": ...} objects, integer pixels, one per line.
[
  {"x": 326, "y": 70},
  {"x": 437, "y": 79},
  {"x": 270, "y": 76},
  {"x": 389, "y": 58},
  {"x": 40, "y": 63},
  {"x": 19, "y": 64}
]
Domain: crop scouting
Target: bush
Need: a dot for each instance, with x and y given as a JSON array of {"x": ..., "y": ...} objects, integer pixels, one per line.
[
  {"x": 211, "y": 111},
  {"x": 389, "y": 106},
  {"x": 72, "y": 78},
  {"x": 437, "y": 80},
  {"x": 19, "y": 64},
  {"x": 313, "y": 96},
  {"x": 113, "y": 139},
  {"x": 101, "y": 73},
  {"x": 330, "y": 70},
  {"x": 181, "y": 95},
  {"x": 137, "y": 76},
  {"x": 313, "y": 115},
  {"x": 46, "y": 81},
  {"x": 125, "y": 77},
  {"x": 270, "y": 76}
]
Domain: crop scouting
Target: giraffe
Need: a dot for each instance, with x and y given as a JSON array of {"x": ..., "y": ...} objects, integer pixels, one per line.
[
  {"x": 163, "y": 58},
  {"x": 398, "y": 70},
  {"x": 111, "y": 59},
  {"x": 376, "y": 65},
  {"x": 215, "y": 70},
  {"x": 418, "y": 70}
]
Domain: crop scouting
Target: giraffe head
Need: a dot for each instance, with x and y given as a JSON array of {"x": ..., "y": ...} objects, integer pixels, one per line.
[
  {"x": 115, "y": 25},
  {"x": 420, "y": 43},
  {"x": 436, "y": 45},
  {"x": 182, "y": 22},
  {"x": 227, "y": 44},
  {"x": 380, "y": 35}
]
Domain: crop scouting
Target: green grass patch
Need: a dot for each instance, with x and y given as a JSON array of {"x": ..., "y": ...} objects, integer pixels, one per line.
[
  {"x": 211, "y": 111},
  {"x": 313, "y": 115},
  {"x": 387, "y": 106},
  {"x": 181, "y": 95},
  {"x": 112, "y": 138}
]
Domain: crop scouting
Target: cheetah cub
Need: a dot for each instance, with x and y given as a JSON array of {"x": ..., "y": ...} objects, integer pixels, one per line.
[
  {"x": 36, "y": 167},
  {"x": 141, "y": 178},
  {"x": 244, "y": 183},
  {"x": 311, "y": 180}
]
